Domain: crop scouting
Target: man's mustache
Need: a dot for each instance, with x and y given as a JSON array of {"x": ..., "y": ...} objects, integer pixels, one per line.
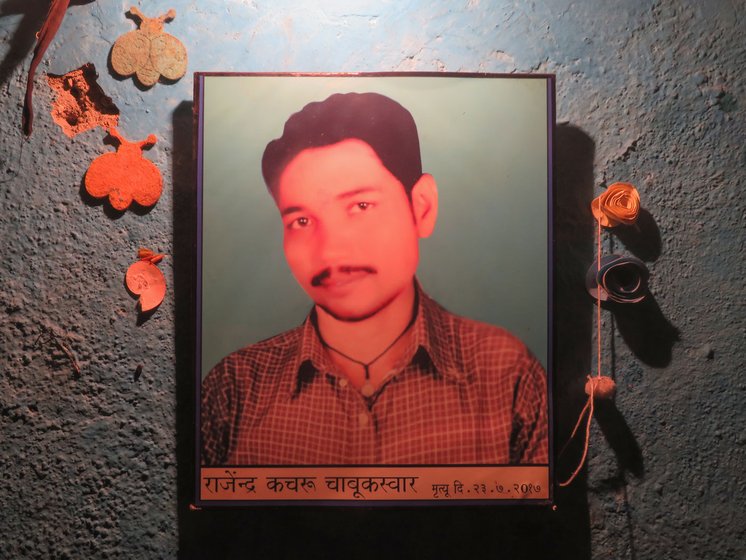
[{"x": 321, "y": 277}]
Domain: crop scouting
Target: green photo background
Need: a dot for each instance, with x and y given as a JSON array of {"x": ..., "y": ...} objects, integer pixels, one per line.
[{"x": 483, "y": 139}]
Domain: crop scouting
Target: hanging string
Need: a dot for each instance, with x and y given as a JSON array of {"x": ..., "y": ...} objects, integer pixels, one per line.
[
  {"x": 589, "y": 408},
  {"x": 598, "y": 303},
  {"x": 619, "y": 204},
  {"x": 589, "y": 404}
]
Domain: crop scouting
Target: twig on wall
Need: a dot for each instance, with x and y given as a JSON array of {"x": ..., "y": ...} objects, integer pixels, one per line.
[{"x": 48, "y": 336}]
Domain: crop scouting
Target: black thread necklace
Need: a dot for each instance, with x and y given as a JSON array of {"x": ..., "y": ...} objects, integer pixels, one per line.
[{"x": 367, "y": 389}]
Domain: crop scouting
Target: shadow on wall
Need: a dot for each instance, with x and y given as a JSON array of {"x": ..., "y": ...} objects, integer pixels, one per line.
[
  {"x": 421, "y": 532},
  {"x": 184, "y": 200},
  {"x": 646, "y": 331},
  {"x": 574, "y": 154},
  {"x": 649, "y": 335},
  {"x": 24, "y": 38}
]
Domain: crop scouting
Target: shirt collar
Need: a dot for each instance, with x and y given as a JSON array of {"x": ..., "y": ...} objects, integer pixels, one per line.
[
  {"x": 432, "y": 340},
  {"x": 434, "y": 333},
  {"x": 310, "y": 357}
]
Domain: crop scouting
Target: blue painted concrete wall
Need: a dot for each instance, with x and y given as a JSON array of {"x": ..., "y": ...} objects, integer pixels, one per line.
[{"x": 99, "y": 465}]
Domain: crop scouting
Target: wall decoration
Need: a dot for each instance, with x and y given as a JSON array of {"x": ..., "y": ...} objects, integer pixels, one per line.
[
  {"x": 618, "y": 279},
  {"x": 125, "y": 176},
  {"x": 619, "y": 204},
  {"x": 378, "y": 139},
  {"x": 52, "y": 23},
  {"x": 149, "y": 52},
  {"x": 611, "y": 278},
  {"x": 146, "y": 280},
  {"x": 80, "y": 103}
]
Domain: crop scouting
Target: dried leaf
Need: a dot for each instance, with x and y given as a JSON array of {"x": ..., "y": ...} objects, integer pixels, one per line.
[{"x": 52, "y": 23}]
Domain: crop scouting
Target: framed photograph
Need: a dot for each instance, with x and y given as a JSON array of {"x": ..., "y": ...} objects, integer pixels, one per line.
[{"x": 374, "y": 288}]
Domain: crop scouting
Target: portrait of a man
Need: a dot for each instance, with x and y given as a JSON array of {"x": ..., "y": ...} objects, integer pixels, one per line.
[{"x": 378, "y": 372}]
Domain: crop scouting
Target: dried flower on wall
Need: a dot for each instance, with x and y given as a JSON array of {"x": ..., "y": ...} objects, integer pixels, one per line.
[
  {"x": 44, "y": 37},
  {"x": 145, "y": 279},
  {"x": 125, "y": 176},
  {"x": 149, "y": 52}
]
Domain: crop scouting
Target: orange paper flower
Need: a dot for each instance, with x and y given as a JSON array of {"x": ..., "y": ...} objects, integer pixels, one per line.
[
  {"x": 146, "y": 280},
  {"x": 125, "y": 176},
  {"x": 620, "y": 204}
]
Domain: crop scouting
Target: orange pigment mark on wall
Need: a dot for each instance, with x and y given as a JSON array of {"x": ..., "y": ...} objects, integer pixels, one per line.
[{"x": 80, "y": 103}]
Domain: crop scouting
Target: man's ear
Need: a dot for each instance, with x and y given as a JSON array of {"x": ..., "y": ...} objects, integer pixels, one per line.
[{"x": 425, "y": 204}]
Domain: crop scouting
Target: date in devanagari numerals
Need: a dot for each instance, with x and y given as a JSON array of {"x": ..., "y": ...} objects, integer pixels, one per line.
[{"x": 482, "y": 489}]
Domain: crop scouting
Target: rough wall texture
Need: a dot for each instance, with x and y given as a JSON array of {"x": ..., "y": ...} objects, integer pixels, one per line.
[{"x": 98, "y": 464}]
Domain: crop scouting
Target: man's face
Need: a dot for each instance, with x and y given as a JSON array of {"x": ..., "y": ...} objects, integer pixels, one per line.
[{"x": 351, "y": 237}]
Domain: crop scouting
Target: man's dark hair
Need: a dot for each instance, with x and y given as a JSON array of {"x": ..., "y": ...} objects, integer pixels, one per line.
[{"x": 381, "y": 122}]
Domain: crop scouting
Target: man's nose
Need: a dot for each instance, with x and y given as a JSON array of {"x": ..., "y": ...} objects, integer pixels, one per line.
[{"x": 334, "y": 244}]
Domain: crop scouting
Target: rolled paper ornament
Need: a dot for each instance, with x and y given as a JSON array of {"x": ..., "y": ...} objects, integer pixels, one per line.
[
  {"x": 619, "y": 204},
  {"x": 144, "y": 279},
  {"x": 619, "y": 279},
  {"x": 600, "y": 386}
]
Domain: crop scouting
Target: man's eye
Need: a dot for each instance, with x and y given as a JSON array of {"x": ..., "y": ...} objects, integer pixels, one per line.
[
  {"x": 362, "y": 206},
  {"x": 299, "y": 223}
]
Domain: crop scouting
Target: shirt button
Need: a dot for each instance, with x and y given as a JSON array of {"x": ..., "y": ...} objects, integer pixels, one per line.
[
  {"x": 367, "y": 390},
  {"x": 343, "y": 383},
  {"x": 363, "y": 419}
]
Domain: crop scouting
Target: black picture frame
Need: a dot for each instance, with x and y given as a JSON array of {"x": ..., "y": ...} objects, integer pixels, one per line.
[{"x": 487, "y": 139}]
